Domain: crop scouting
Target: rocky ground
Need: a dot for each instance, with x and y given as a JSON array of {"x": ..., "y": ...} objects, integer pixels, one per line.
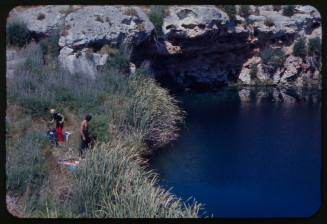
[{"x": 200, "y": 46}]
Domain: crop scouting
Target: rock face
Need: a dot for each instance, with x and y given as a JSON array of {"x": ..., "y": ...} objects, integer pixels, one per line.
[
  {"x": 201, "y": 46},
  {"x": 105, "y": 24},
  {"x": 90, "y": 28},
  {"x": 205, "y": 39},
  {"x": 87, "y": 31},
  {"x": 40, "y": 20},
  {"x": 84, "y": 61},
  {"x": 193, "y": 22}
]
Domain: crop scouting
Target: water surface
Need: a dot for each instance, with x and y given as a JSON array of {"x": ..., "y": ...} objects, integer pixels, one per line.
[{"x": 247, "y": 153}]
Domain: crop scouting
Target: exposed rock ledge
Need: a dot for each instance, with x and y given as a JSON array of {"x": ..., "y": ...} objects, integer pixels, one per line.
[
  {"x": 213, "y": 50},
  {"x": 200, "y": 47}
]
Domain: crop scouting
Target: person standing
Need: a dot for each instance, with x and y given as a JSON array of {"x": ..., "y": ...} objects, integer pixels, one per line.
[
  {"x": 59, "y": 119},
  {"x": 85, "y": 136}
]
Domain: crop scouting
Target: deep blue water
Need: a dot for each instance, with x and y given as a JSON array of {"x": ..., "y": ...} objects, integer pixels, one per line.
[{"x": 248, "y": 153}]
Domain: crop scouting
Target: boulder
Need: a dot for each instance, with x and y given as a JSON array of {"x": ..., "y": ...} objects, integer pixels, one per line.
[
  {"x": 90, "y": 28},
  {"x": 84, "y": 61},
  {"x": 99, "y": 25},
  {"x": 305, "y": 19},
  {"x": 193, "y": 21},
  {"x": 40, "y": 20},
  {"x": 244, "y": 76},
  {"x": 292, "y": 67}
]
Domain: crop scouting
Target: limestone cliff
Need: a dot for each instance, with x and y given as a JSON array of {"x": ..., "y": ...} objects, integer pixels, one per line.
[{"x": 199, "y": 47}]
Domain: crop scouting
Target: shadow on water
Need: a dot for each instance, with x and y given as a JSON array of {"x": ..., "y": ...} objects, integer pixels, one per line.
[{"x": 248, "y": 152}]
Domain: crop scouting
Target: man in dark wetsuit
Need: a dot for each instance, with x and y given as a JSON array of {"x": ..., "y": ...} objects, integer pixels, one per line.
[{"x": 85, "y": 136}]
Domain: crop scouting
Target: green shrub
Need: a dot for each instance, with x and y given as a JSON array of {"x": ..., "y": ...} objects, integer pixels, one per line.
[
  {"x": 253, "y": 71},
  {"x": 257, "y": 11},
  {"x": 277, "y": 7},
  {"x": 50, "y": 45},
  {"x": 17, "y": 34},
  {"x": 289, "y": 10},
  {"x": 272, "y": 58},
  {"x": 299, "y": 48},
  {"x": 119, "y": 60},
  {"x": 269, "y": 22},
  {"x": 34, "y": 59},
  {"x": 314, "y": 46},
  {"x": 244, "y": 10},
  {"x": 156, "y": 16},
  {"x": 231, "y": 11},
  {"x": 99, "y": 128}
]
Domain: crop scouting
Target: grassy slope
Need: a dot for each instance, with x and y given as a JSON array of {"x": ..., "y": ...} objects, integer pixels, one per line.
[{"x": 130, "y": 113}]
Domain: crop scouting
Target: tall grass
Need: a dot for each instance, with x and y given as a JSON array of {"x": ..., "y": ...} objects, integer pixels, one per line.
[
  {"x": 25, "y": 162},
  {"x": 131, "y": 115},
  {"x": 113, "y": 184}
]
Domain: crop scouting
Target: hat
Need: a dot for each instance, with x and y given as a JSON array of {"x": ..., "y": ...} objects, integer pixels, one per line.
[{"x": 52, "y": 111}]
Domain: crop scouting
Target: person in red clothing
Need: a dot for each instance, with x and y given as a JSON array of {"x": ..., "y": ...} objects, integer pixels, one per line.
[{"x": 59, "y": 119}]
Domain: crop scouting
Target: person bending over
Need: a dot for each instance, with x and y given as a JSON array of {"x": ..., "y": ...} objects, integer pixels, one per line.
[{"x": 59, "y": 119}]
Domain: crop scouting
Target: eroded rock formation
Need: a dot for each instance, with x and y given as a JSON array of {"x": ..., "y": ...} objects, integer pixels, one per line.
[
  {"x": 213, "y": 49},
  {"x": 201, "y": 46}
]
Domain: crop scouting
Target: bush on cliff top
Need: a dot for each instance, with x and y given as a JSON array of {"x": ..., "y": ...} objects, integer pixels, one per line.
[
  {"x": 50, "y": 45},
  {"x": 156, "y": 16},
  {"x": 119, "y": 60},
  {"x": 314, "y": 46},
  {"x": 231, "y": 11},
  {"x": 269, "y": 22},
  {"x": 17, "y": 34},
  {"x": 289, "y": 10},
  {"x": 272, "y": 58},
  {"x": 299, "y": 48},
  {"x": 244, "y": 10}
]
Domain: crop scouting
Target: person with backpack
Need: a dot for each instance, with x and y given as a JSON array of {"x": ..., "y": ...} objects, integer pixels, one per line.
[{"x": 59, "y": 119}]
